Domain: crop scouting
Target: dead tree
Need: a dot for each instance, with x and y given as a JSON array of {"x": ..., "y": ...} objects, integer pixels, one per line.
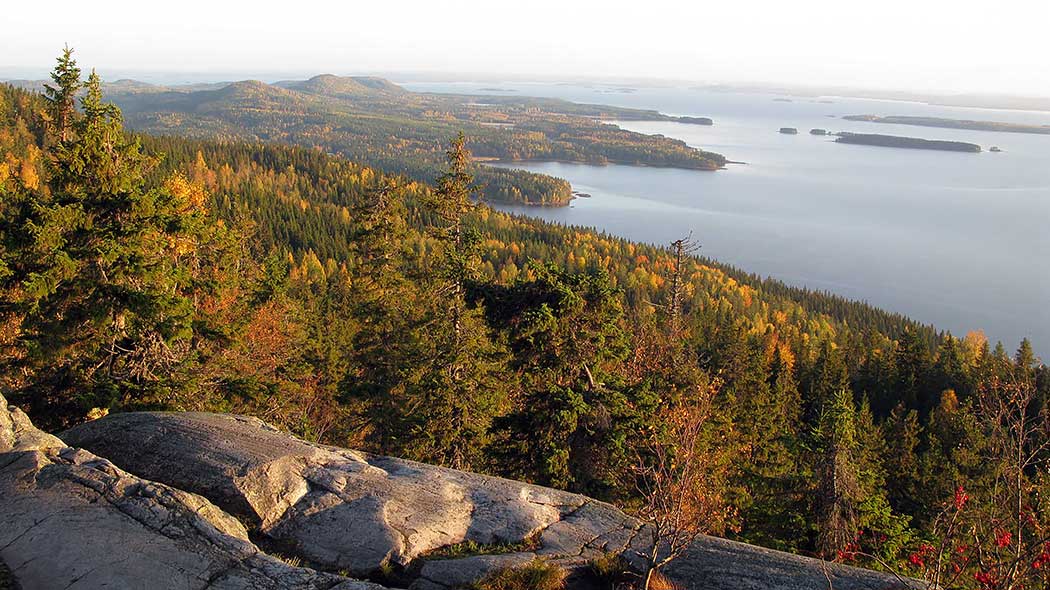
[{"x": 680, "y": 248}]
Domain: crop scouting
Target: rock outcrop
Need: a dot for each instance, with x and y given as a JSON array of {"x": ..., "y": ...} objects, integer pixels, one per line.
[
  {"x": 343, "y": 510},
  {"x": 70, "y": 519},
  {"x": 171, "y": 509}
]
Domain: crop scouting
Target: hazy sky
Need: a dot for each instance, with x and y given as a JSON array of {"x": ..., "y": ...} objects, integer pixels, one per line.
[{"x": 943, "y": 45}]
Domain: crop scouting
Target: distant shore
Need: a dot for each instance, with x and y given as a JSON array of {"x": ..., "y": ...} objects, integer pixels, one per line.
[
  {"x": 506, "y": 162},
  {"x": 966, "y": 124}
]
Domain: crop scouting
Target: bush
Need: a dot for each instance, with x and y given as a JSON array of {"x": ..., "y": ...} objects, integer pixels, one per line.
[
  {"x": 535, "y": 575},
  {"x": 472, "y": 548},
  {"x": 609, "y": 569},
  {"x": 662, "y": 582}
]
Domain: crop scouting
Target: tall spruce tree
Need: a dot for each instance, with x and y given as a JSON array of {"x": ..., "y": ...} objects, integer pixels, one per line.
[
  {"x": 435, "y": 378},
  {"x": 828, "y": 376},
  {"x": 903, "y": 436},
  {"x": 770, "y": 472},
  {"x": 838, "y": 486},
  {"x": 62, "y": 96},
  {"x": 100, "y": 266},
  {"x": 451, "y": 202},
  {"x": 913, "y": 370}
]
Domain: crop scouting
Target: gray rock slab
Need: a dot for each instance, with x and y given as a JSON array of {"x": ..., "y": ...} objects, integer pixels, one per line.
[
  {"x": 712, "y": 563},
  {"x": 353, "y": 511},
  {"x": 70, "y": 519},
  {"x": 18, "y": 433},
  {"x": 337, "y": 508}
]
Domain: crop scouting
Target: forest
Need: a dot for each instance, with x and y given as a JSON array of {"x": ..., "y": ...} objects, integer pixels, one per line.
[
  {"x": 375, "y": 122},
  {"x": 367, "y": 308}
]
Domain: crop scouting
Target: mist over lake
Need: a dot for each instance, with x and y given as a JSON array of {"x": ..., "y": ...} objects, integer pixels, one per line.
[{"x": 954, "y": 239}]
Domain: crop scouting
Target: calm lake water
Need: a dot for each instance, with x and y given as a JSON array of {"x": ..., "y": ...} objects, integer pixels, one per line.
[{"x": 958, "y": 240}]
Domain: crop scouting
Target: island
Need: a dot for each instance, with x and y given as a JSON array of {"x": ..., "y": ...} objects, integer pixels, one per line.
[
  {"x": 789, "y": 131},
  {"x": 696, "y": 120},
  {"x": 906, "y": 142},
  {"x": 818, "y": 131},
  {"x": 954, "y": 123}
]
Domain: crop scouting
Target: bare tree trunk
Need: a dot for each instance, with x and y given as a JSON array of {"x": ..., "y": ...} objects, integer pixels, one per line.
[{"x": 681, "y": 247}]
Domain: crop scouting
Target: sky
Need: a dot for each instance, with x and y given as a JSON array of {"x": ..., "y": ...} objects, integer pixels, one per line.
[{"x": 994, "y": 46}]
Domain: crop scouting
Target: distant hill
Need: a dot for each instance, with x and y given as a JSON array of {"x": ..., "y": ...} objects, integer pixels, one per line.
[
  {"x": 375, "y": 121},
  {"x": 330, "y": 85}
]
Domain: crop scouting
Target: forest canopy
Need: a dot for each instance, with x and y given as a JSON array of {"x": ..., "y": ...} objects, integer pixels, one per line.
[{"x": 364, "y": 308}]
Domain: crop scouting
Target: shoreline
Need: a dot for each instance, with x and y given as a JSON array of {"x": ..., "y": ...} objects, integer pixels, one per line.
[{"x": 489, "y": 160}]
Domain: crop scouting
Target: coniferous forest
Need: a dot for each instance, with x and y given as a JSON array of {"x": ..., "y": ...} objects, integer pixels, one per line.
[{"x": 366, "y": 309}]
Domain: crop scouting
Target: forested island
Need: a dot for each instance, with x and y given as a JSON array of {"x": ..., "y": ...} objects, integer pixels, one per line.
[
  {"x": 351, "y": 306},
  {"x": 897, "y": 141},
  {"x": 376, "y": 122},
  {"x": 954, "y": 123}
]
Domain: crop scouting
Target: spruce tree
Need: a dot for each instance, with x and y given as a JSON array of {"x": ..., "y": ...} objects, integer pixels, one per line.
[
  {"x": 1025, "y": 359},
  {"x": 451, "y": 202},
  {"x": 903, "y": 435},
  {"x": 100, "y": 266},
  {"x": 433, "y": 384},
  {"x": 880, "y": 530},
  {"x": 838, "y": 485},
  {"x": 61, "y": 97},
  {"x": 567, "y": 335},
  {"x": 913, "y": 364},
  {"x": 766, "y": 421},
  {"x": 825, "y": 380}
]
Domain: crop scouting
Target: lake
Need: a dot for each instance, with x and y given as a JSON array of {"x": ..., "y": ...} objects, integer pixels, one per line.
[{"x": 958, "y": 240}]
